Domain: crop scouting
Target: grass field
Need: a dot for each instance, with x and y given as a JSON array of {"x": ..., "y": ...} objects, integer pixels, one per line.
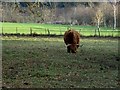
[
  {"x": 57, "y": 29},
  {"x": 44, "y": 63}
]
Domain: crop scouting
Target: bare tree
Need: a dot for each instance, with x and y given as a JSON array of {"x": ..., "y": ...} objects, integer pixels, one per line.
[
  {"x": 118, "y": 24},
  {"x": 114, "y": 5},
  {"x": 98, "y": 19}
]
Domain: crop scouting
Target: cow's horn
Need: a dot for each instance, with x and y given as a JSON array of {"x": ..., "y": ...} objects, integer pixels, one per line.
[{"x": 68, "y": 45}]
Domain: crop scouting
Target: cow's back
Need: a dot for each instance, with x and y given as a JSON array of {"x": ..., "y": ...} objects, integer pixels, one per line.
[{"x": 71, "y": 37}]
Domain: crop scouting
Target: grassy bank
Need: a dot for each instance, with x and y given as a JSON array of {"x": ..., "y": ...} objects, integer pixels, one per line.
[{"x": 57, "y": 29}]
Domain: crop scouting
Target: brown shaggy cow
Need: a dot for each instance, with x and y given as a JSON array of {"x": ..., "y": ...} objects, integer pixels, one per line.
[{"x": 71, "y": 39}]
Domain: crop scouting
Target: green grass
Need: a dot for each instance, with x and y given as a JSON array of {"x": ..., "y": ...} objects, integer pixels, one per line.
[
  {"x": 24, "y": 28},
  {"x": 44, "y": 63}
]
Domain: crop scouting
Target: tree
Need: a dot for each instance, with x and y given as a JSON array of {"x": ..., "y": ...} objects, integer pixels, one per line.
[
  {"x": 98, "y": 19},
  {"x": 1, "y": 11},
  {"x": 114, "y": 5},
  {"x": 118, "y": 23}
]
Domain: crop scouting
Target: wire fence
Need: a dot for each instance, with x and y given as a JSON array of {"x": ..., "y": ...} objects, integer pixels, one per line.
[{"x": 56, "y": 31}]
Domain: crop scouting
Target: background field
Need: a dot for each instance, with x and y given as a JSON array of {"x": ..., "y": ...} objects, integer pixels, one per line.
[
  {"x": 56, "y": 29},
  {"x": 44, "y": 63}
]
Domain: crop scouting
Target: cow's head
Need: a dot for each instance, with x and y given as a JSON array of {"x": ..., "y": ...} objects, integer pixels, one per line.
[{"x": 72, "y": 48}]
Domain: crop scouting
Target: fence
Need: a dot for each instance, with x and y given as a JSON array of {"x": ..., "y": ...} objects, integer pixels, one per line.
[
  {"x": 55, "y": 31},
  {"x": 30, "y": 30}
]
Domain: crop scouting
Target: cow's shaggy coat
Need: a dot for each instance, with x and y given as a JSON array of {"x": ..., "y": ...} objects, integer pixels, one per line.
[{"x": 72, "y": 39}]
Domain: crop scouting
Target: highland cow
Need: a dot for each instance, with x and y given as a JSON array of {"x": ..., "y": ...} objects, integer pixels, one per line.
[{"x": 72, "y": 39}]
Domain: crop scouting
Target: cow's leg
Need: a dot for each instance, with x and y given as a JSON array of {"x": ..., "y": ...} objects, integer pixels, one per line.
[{"x": 68, "y": 49}]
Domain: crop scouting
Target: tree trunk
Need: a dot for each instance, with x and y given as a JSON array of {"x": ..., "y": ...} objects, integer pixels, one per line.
[
  {"x": 98, "y": 27},
  {"x": 114, "y": 7},
  {"x": 105, "y": 22}
]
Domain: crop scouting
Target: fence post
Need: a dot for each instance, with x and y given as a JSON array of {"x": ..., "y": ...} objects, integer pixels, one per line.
[
  {"x": 99, "y": 31},
  {"x": 112, "y": 32},
  {"x": 95, "y": 33},
  {"x": 79, "y": 30},
  {"x": 45, "y": 30},
  {"x": 48, "y": 31},
  {"x": 30, "y": 31},
  {"x": 16, "y": 30},
  {"x": 2, "y": 30}
]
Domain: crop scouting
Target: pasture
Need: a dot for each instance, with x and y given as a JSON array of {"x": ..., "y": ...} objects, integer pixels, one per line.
[
  {"x": 41, "y": 62},
  {"x": 56, "y": 29}
]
